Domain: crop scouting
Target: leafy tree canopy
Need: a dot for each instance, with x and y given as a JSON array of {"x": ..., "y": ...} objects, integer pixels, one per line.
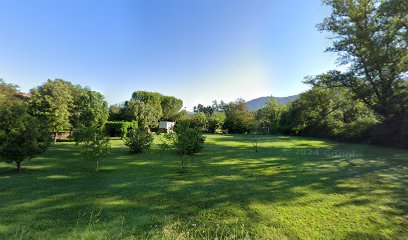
[
  {"x": 370, "y": 36},
  {"x": 53, "y": 101}
]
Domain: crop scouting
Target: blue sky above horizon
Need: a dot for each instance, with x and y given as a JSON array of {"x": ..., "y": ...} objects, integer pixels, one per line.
[{"x": 195, "y": 50}]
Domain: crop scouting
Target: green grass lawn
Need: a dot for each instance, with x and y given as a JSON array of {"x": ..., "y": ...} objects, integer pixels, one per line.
[{"x": 293, "y": 188}]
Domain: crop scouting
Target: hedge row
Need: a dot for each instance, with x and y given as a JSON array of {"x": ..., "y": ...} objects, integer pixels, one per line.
[{"x": 118, "y": 128}]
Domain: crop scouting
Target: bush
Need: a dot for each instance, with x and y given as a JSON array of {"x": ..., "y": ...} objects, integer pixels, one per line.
[
  {"x": 216, "y": 121},
  {"x": 238, "y": 118},
  {"x": 22, "y": 136},
  {"x": 118, "y": 128},
  {"x": 138, "y": 140},
  {"x": 188, "y": 141}
]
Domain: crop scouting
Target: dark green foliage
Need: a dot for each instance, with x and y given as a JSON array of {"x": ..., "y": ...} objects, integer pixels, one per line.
[
  {"x": 215, "y": 122},
  {"x": 9, "y": 95},
  {"x": 22, "y": 136},
  {"x": 270, "y": 116},
  {"x": 170, "y": 107},
  {"x": 120, "y": 112},
  {"x": 89, "y": 131},
  {"x": 53, "y": 102},
  {"x": 146, "y": 109},
  {"x": 138, "y": 140},
  {"x": 118, "y": 129},
  {"x": 238, "y": 118},
  {"x": 208, "y": 110},
  {"x": 92, "y": 110},
  {"x": 329, "y": 113},
  {"x": 188, "y": 141},
  {"x": 371, "y": 37},
  {"x": 198, "y": 121}
]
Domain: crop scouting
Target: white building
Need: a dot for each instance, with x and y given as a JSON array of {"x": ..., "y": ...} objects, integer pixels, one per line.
[{"x": 166, "y": 126}]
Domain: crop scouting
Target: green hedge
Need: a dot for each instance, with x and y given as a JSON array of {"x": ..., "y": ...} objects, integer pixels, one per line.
[{"x": 118, "y": 128}]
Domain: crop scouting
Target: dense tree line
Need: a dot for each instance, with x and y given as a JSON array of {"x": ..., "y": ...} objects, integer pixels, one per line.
[
  {"x": 371, "y": 37},
  {"x": 29, "y": 120},
  {"x": 147, "y": 109},
  {"x": 22, "y": 135}
]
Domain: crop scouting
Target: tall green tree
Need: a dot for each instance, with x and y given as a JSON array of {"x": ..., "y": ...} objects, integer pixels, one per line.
[
  {"x": 216, "y": 122},
  {"x": 270, "y": 116},
  {"x": 92, "y": 109},
  {"x": 326, "y": 112},
  {"x": 22, "y": 136},
  {"x": 89, "y": 130},
  {"x": 9, "y": 94},
  {"x": 94, "y": 142},
  {"x": 170, "y": 107},
  {"x": 198, "y": 121},
  {"x": 53, "y": 101},
  {"x": 238, "y": 118},
  {"x": 370, "y": 36},
  {"x": 120, "y": 112},
  {"x": 146, "y": 108}
]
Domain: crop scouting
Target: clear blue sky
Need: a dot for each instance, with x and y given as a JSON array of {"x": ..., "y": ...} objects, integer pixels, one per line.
[{"x": 197, "y": 50}]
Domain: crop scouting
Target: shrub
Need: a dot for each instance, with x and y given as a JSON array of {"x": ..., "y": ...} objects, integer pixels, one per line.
[
  {"x": 216, "y": 121},
  {"x": 138, "y": 140},
  {"x": 119, "y": 128},
  {"x": 22, "y": 136},
  {"x": 188, "y": 141}
]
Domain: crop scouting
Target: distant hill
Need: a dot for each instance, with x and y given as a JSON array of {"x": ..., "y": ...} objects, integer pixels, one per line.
[{"x": 261, "y": 102}]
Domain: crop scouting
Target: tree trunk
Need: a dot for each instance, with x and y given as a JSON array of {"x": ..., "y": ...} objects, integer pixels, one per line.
[
  {"x": 18, "y": 166},
  {"x": 55, "y": 137},
  {"x": 97, "y": 165}
]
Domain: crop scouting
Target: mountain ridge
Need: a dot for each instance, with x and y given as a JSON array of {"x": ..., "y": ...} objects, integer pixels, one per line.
[{"x": 261, "y": 102}]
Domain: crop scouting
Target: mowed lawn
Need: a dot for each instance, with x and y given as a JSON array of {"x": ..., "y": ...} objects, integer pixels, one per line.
[{"x": 293, "y": 188}]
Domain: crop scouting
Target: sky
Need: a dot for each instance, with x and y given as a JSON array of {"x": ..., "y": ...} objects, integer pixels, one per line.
[{"x": 197, "y": 50}]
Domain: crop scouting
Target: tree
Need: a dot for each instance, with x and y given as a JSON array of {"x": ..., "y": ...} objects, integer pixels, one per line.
[
  {"x": 198, "y": 121},
  {"x": 89, "y": 130},
  {"x": 188, "y": 141},
  {"x": 328, "y": 112},
  {"x": 52, "y": 101},
  {"x": 216, "y": 121},
  {"x": 120, "y": 112},
  {"x": 208, "y": 110},
  {"x": 146, "y": 108},
  {"x": 9, "y": 95},
  {"x": 238, "y": 118},
  {"x": 92, "y": 110},
  {"x": 22, "y": 136},
  {"x": 182, "y": 115},
  {"x": 170, "y": 107},
  {"x": 94, "y": 142},
  {"x": 371, "y": 38},
  {"x": 138, "y": 140},
  {"x": 270, "y": 116}
]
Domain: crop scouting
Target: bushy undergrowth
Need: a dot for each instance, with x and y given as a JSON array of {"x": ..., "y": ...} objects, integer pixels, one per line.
[
  {"x": 138, "y": 140},
  {"x": 119, "y": 128}
]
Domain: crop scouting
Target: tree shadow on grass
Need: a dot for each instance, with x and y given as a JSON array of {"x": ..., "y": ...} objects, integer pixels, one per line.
[{"x": 224, "y": 183}]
